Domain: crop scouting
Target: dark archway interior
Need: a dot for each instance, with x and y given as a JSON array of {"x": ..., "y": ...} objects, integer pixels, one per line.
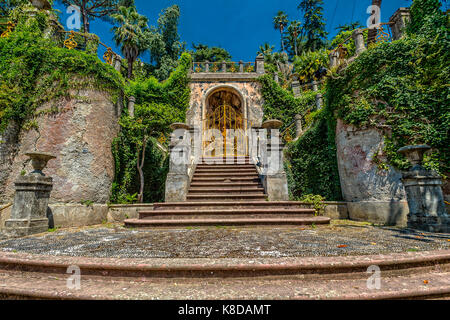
[{"x": 224, "y": 97}]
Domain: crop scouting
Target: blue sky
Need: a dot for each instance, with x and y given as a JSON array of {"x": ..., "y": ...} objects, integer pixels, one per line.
[{"x": 241, "y": 26}]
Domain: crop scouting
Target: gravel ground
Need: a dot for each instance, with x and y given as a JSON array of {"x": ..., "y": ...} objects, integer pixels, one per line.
[{"x": 341, "y": 238}]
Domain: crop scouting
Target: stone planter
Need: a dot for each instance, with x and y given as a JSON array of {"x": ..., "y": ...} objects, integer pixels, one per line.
[{"x": 272, "y": 124}]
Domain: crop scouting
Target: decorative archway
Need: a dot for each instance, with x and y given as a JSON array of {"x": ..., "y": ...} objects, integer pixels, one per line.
[{"x": 225, "y": 125}]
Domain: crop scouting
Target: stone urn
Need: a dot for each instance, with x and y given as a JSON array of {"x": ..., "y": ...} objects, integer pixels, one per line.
[
  {"x": 41, "y": 4},
  {"x": 272, "y": 124},
  {"x": 39, "y": 161},
  {"x": 415, "y": 154},
  {"x": 179, "y": 125}
]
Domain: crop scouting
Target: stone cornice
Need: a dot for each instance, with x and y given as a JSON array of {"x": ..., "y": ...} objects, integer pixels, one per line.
[{"x": 224, "y": 76}]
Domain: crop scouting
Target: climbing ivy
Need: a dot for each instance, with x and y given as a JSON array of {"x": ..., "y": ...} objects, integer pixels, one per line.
[
  {"x": 401, "y": 88},
  {"x": 281, "y": 104},
  {"x": 311, "y": 164},
  {"x": 34, "y": 70},
  {"x": 158, "y": 104}
]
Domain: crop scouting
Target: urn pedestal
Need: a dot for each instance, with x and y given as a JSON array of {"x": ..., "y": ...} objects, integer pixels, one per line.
[
  {"x": 29, "y": 211},
  {"x": 423, "y": 188}
]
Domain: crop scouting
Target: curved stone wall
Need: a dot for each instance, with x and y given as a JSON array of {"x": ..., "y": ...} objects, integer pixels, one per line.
[{"x": 80, "y": 135}]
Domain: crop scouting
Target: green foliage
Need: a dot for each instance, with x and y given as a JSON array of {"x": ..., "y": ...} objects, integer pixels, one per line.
[
  {"x": 281, "y": 104},
  {"x": 280, "y": 22},
  {"x": 309, "y": 63},
  {"x": 348, "y": 45},
  {"x": 203, "y": 53},
  {"x": 130, "y": 34},
  {"x": 421, "y": 10},
  {"x": 34, "y": 71},
  {"x": 164, "y": 43},
  {"x": 316, "y": 200},
  {"x": 312, "y": 164},
  {"x": 313, "y": 24},
  {"x": 402, "y": 89},
  {"x": 158, "y": 104}
]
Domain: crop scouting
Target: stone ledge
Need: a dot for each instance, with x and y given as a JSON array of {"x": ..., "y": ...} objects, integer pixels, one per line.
[{"x": 224, "y": 76}]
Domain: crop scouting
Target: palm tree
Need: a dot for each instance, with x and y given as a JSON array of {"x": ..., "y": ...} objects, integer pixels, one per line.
[
  {"x": 349, "y": 27},
  {"x": 373, "y": 31},
  {"x": 280, "y": 21},
  {"x": 266, "y": 49},
  {"x": 294, "y": 30},
  {"x": 130, "y": 34}
]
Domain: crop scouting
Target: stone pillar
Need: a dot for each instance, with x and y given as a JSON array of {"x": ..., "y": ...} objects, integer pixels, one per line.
[
  {"x": 259, "y": 64},
  {"x": 241, "y": 66},
  {"x": 177, "y": 183},
  {"x": 207, "y": 66},
  {"x": 319, "y": 101},
  {"x": 427, "y": 210},
  {"x": 224, "y": 66},
  {"x": 29, "y": 211},
  {"x": 298, "y": 126},
  {"x": 296, "y": 88},
  {"x": 358, "y": 37},
  {"x": 274, "y": 177},
  {"x": 334, "y": 59},
  {"x": 315, "y": 86},
  {"x": 276, "y": 78},
  {"x": 398, "y": 22},
  {"x": 131, "y": 103},
  {"x": 117, "y": 62}
]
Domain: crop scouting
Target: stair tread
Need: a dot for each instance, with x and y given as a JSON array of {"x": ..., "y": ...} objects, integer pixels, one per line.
[
  {"x": 234, "y": 220},
  {"x": 232, "y": 211}
]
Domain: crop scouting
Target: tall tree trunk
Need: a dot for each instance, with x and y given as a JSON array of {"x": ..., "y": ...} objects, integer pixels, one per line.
[
  {"x": 130, "y": 68},
  {"x": 282, "y": 42},
  {"x": 373, "y": 32},
  {"x": 140, "y": 166}
]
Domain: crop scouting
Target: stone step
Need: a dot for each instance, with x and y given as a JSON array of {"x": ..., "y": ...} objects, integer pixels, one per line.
[
  {"x": 148, "y": 223},
  {"x": 226, "y": 197},
  {"x": 226, "y": 175},
  {"x": 227, "y": 190},
  {"x": 225, "y": 185},
  {"x": 25, "y": 276},
  {"x": 224, "y": 214},
  {"x": 198, "y": 205},
  {"x": 226, "y": 171},
  {"x": 222, "y": 179},
  {"x": 224, "y": 166}
]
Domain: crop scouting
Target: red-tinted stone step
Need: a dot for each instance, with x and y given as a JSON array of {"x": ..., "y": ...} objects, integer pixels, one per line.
[
  {"x": 227, "y": 190},
  {"x": 226, "y": 222},
  {"x": 226, "y": 197}
]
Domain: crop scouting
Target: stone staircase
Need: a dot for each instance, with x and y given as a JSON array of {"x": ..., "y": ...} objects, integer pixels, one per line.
[{"x": 226, "y": 194}]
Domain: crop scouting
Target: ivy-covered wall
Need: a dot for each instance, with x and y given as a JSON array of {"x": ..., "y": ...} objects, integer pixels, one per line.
[{"x": 158, "y": 104}]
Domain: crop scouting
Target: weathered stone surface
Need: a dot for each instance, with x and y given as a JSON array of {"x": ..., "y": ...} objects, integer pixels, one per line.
[
  {"x": 361, "y": 179},
  {"x": 80, "y": 135},
  {"x": 336, "y": 210},
  {"x": 73, "y": 215},
  {"x": 381, "y": 192},
  {"x": 120, "y": 213},
  {"x": 380, "y": 212}
]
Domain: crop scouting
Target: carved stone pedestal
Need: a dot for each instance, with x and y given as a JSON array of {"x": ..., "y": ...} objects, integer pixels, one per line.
[
  {"x": 29, "y": 211},
  {"x": 423, "y": 188}
]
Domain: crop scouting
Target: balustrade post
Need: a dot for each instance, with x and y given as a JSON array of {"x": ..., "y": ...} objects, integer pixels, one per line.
[
  {"x": 224, "y": 66},
  {"x": 259, "y": 64},
  {"x": 358, "y": 37},
  {"x": 398, "y": 22},
  {"x": 207, "y": 66},
  {"x": 241, "y": 66}
]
